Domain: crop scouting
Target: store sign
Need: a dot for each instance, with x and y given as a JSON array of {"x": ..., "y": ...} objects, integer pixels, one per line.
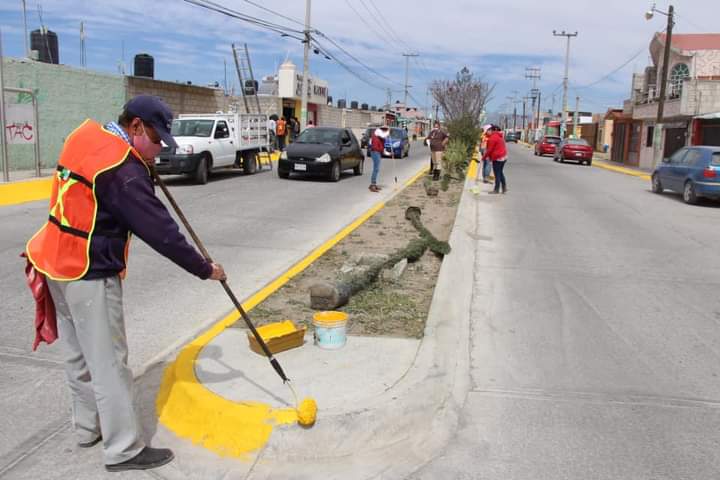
[{"x": 19, "y": 124}]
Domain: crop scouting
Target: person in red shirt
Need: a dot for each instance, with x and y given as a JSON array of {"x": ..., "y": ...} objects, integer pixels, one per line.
[{"x": 497, "y": 153}]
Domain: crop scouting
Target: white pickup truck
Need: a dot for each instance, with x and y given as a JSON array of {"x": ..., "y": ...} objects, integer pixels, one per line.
[{"x": 207, "y": 142}]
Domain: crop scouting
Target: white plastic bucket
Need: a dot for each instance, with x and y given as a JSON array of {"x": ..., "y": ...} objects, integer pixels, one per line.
[{"x": 330, "y": 329}]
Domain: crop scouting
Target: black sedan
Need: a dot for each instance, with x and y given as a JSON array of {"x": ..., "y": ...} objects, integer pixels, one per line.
[{"x": 322, "y": 151}]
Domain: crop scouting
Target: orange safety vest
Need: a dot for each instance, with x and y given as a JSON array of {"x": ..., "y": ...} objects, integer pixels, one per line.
[
  {"x": 281, "y": 127},
  {"x": 61, "y": 248}
]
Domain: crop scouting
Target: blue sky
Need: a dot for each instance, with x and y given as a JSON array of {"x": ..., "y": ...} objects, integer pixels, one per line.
[{"x": 496, "y": 40}]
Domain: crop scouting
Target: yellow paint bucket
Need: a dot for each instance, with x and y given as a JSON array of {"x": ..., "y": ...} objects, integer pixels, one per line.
[{"x": 330, "y": 329}]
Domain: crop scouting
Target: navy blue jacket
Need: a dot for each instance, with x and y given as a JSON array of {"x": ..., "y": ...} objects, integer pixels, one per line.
[{"x": 127, "y": 203}]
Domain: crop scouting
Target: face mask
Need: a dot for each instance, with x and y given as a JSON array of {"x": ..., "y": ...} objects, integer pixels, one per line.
[{"x": 146, "y": 147}]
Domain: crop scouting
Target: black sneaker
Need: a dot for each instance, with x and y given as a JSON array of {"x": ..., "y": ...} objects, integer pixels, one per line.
[
  {"x": 494, "y": 192},
  {"x": 147, "y": 458},
  {"x": 91, "y": 443}
]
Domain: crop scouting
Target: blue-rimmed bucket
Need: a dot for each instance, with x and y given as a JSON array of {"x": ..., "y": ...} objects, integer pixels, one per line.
[{"x": 330, "y": 329}]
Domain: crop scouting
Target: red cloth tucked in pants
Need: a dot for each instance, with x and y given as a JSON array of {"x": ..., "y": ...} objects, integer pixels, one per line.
[{"x": 45, "y": 320}]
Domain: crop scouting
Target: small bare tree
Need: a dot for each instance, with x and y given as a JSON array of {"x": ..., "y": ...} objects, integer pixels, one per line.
[{"x": 462, "y": 98}]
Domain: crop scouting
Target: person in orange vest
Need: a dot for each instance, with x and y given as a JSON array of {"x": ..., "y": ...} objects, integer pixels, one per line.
[
  {"x": 102, "y": 193},
  {"x": 281, "y": 131}
]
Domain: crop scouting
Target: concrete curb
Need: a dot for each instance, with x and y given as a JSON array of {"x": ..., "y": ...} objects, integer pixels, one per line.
[
  {"x": 623, "y": 170},
  {"x": 413, "y": 420},
  {"x": 191, "y": 410},
  {"x": 23, "y": 191}
]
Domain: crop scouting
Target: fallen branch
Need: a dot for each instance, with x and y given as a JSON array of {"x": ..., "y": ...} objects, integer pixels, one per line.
[{"x": 436, "y": 246}]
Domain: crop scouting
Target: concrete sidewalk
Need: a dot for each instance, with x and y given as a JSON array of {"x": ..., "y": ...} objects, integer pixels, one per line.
[{"x": 386, "y": 405}]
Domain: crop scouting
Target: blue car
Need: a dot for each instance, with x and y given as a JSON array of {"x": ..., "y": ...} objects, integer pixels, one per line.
[
  {"x": 396, "y": 143},
  {"x": 692, "y": 171}
]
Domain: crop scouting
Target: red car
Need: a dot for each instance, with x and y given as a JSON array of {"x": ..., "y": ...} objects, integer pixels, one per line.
[
  {"x": 546, "y": 146},
  {"x": 575, "y": 149}
]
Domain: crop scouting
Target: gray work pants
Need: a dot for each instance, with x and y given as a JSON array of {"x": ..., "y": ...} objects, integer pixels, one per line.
[{"x": 91, "y": 329}]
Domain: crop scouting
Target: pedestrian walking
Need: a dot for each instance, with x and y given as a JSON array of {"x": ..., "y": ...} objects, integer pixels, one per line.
[
  {"x": 497, "y": 153},
  {"x": 102, "y": 193},
  {"x": 377, "y": 148},
  {"x": 280, "y": 132},
  {"x": 272, "y": 128},
  {"x": 437, "y": 140},
  {"x": 293, "y": 128}
]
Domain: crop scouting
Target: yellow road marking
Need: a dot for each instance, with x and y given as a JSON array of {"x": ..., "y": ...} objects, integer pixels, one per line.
[
  {"x": 626, "y": 171},
  {"x": 26, "y": 191},
  {"x": 188, "y": 408}
]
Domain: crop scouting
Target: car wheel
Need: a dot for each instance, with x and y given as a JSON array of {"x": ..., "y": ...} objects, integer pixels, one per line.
[
  {"x": 201, "y": 172},
  {"x": 360, "y": 167},
  {"x": 249, "y": 163},
  {"x": 656, "y": 184},
  {"x": 283, "y": 174},
  {"x": 589, "y": 163},
  {"x": 335, "y": 172},
  {"x": 689, "y": 194}
]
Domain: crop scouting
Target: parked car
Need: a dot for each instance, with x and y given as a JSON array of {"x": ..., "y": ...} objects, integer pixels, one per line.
[
  {"x": 397, "y": 143},
  {"x": 693, "y": 171},
  {"x": 322, "y": 151},
  {"x": 547, "y": 145},
  {"x": 512, "y": 137},
  {"x": 210, "y": 141},
  {"x": 576, "y": 149}
]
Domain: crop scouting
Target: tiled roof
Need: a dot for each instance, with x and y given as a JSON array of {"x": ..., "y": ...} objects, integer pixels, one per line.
[{"x": 694, "y": 41}]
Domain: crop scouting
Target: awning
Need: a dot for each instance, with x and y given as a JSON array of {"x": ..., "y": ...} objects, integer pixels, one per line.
[{"x": 709, "y": 116}]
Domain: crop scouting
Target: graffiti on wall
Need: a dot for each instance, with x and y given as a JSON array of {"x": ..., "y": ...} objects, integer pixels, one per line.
[{"x": 19, "y": 124}]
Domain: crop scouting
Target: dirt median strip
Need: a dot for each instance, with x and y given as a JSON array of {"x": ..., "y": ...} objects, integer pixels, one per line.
[{"x": 192, "y": 411}]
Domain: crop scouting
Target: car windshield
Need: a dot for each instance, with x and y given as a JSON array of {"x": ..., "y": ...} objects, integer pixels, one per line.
[
  {"x": 318, "y": 135},
  {"x": 578, "y": 141},
  {"x": 192, "y": 128},
  {"x": 396, "y": 134},
  {"x": 552, "y": 140}
]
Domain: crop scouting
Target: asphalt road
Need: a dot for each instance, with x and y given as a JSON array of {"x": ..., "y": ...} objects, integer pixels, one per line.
[
  {"x": 256, "y": 226},
  {"x": 595, "y": 339}
]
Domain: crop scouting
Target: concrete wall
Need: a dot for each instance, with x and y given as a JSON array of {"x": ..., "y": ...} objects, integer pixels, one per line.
[
  {"x": 701, "y": 97},
  {"x": 180, "y": 97},
  {"x": 66, "y": 97}
]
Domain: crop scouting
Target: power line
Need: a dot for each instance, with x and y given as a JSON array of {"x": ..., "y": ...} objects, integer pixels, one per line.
[
  {"x": 368, "y": 24},
  {"x": 281, "y": 29},
  {"x": 294, "y": 20}
]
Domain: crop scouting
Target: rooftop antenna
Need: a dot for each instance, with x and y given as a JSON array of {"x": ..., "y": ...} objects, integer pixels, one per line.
[
  {"x": 44, "y": 32},
  {"x": 83, "y": 57},
  {"x": 27, "y": 48},
  {"x": 121, "y": 63}
]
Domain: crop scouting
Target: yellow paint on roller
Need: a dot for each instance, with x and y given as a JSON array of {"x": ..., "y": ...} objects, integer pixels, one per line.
[
  {"x": 277, "y": 329},
  {"x": 230, "y": 428},
  {"x": 307, "y": 412}
]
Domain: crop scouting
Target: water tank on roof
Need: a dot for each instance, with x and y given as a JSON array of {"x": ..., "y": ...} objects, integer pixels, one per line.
[
  {"x": 354, "y": 105},
  {"x": 46, "y": 44},
  {"x": 329, "y": 100},
  {"x": 144, "y": 66},
  {"x": 251, "y": 87},
  {"x": 342, "y": 103},
  {"x": 373, "y": 108},
  {"x": 364, "y": 106}
]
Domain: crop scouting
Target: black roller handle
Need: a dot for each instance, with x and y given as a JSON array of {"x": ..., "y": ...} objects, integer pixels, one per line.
[{"x": 273, "y": 361}]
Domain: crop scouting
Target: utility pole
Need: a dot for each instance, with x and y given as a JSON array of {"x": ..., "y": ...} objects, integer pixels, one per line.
[
  {"x": 306, "y": 68},
  {"x": 3, "y": 139},
  {"x": 533, "y": 73},
  {"x": 576, "y": 116},
  {"x": 537, "y": 125},
  {"x": 657, "y": 131},
  {"x": 524, "y": 116},
  {"x": 27, "y": 48},
  {"x": 83, "y": 57},
  {"x": 563, "y": 121},
  {"x": 407, "y": 71}
]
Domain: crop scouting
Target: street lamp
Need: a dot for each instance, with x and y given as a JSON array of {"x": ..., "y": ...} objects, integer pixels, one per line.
[{"x": 657, "y": 133}]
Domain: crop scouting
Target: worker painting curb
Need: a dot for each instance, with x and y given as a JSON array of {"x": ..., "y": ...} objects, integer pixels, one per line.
[
  {"x": 190, "y": 410},
  {"x": 15, "y": 193}
]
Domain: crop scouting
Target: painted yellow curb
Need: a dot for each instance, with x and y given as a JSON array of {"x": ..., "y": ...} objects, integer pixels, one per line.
[
  {"x": 626, "y": 171},
  {"x": 25, "y": 191},
  {"x": 187, "y": 408}
]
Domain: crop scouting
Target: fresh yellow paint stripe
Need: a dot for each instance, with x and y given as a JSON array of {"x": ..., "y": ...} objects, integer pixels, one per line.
[
  {"x": 189, "y": 409},
  {"x": 15, "y": 193},
  {"x": 626, "y": 171}
]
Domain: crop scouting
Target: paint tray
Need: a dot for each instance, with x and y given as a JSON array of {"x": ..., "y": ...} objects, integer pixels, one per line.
[{"x": 278, "y": 336}]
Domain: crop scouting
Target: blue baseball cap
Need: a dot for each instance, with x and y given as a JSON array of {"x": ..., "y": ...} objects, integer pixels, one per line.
[{"x": 153, "y": 111}]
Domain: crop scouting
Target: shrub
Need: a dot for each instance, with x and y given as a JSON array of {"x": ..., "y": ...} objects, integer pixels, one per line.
[
  {"x": 456, "y": 157},
  {"x": 465, "y": 130}
]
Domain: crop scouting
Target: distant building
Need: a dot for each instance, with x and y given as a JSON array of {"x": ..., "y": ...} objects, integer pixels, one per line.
[{"x": 692, "y": 104}]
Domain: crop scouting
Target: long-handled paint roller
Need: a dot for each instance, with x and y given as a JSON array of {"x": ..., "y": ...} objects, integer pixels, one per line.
[{"x": 307, "y": 409}]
